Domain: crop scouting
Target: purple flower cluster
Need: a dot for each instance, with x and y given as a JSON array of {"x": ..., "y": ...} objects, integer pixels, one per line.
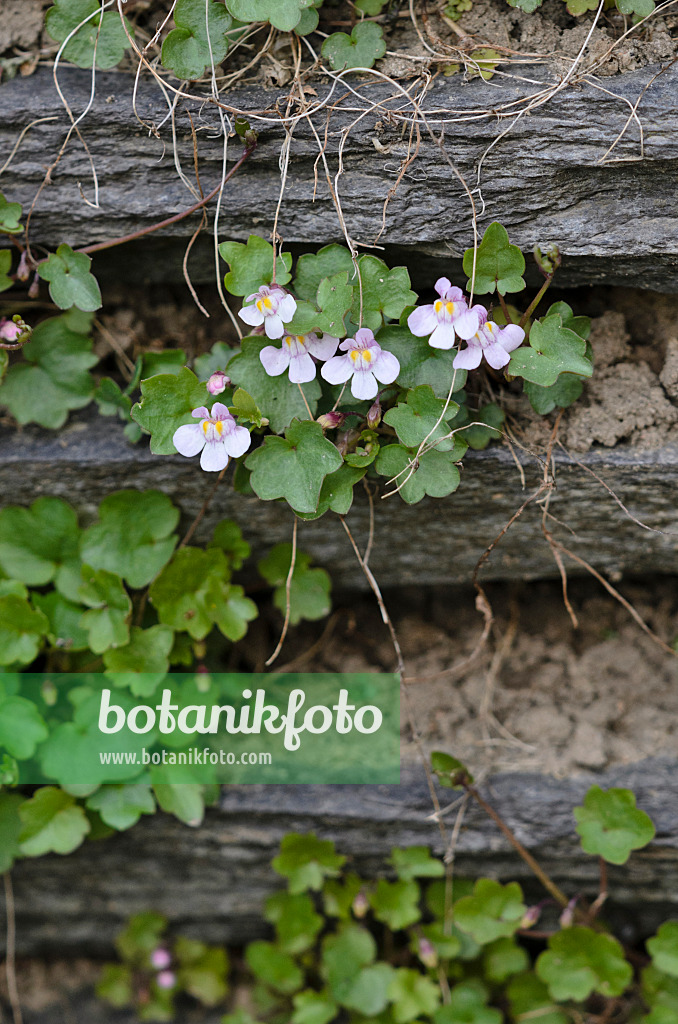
[{"x": 449, "y": 321}]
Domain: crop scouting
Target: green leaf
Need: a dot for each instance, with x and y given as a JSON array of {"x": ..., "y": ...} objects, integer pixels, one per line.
[
  {"x": 133, "y": 537},
  {"x": 447, "y": 768},
  {"x": 10, "y": 829},
  {"x": 529, "y": 6},
  {"x": 361, "y": 49},
  {"x": 275, "y": 968},
  {"x": 142, "y": 935},
  {"x": 282, "y": 14},
  {"x": 70, "y": 280},
  {"x": 498, "y": 263},
  {"x": 638, "y": 8},
  {"x": 530, "y": 1000},
  {"x": 167, "y": 401},
  {"x": 565, "y": 392},
  {"x": 107, "y": 621},
  {"x": 293, "y": 467},
  {"x": 371, "y": 7},
  {"x": 384, "y": 292},
  {"x": 22, "y": 727},
  {"x": 415, "y": 421},
  {"x": 419, "y": 363},
  {"x": 413, "y": 994},
  {"x": 306, "y": 860},
  {"x": 295, "y": 920},
  {"x": 54, "y": 377},
  {"x": 467, "y": 1005},
  {"x": 581, "y": 325},
  {"x": 663, "y": 948},
  {"x": 344, "y": 955},
  {"x": 479, "y": 437},
  {"x": 659, "y": 990},
  {"x": 40, "y": 544},
  {"x": 436, "y": 473},
  {"x": 369, "y": 991},
  {"x": 493, "y": 911},
  {"x": 416, "y": 862},
  {"x": 396, "y": 903},
  {"x": 553, "y": 350},
  {"x": 187, "y": 50},
  {"x": 5, "y": 283},
  {"x": 251, "y": 264},
  {"x": 115, "y": 985},
  {"x": 339, "y": 895},
  {"x": 486, "y": 60},
  {"x": 184, "y": 800},
  {"x": 336, "y": 492},
  {"x": 578, "y": 7},
  {"x": 217, "y": 358},
  {"x": 245, "y": 408},
  {"x": 309, "y": 588},
  {"x": 104, "y": 34},
  {"x": 167, "y": 360},
  {"x": 148, "y": 653},
  {"x": 312, "y": 1007},
  {"x": 52, "y": 822},
  {"x": 279, "y": 401},
  {"x": 313, "y": 268},
  {"x": 111, "y": 400},
  {"x": 122, "y": 806},
  {"x": 611, "y": 826},
  {"x": 203, "y": 970},
  {"x": 580, "y": 961},
  {"x": 334, "y": 300},
  {"x": 9, "y": 223},
  {"x": 21, "y": 630},
  {"x": 446, "y": 941},
  {"x": 228, "y": 536},
  {"x": 193, "y": 593},
  {"x": 502, "y": 959}
]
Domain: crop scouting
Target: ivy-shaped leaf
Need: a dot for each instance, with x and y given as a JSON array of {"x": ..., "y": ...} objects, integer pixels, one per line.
[
  {"x": 279, "y": 401},
  {"x": 435, "y": 474},
  {"x": 530, "y": 1000},
  {"x": 580, "y": 961},
  {"x": 502, "y": 959},
  {"x": 251, "y": 263},
  {"x": 110, "y": 607},
  {"x": 384, "y": 291},
  {"x": 305, "y": 860},
  {"x": 275, "y": 968},
  {"x": 143, "y": 662},
  {"x": 187, "y": 50},
  {"x": 202, "y": 970},
  {"x": 336, "y": 492},
  {"x": 493, "y": 911},
  {"x": 21, "y": 630},
  {"x": 193, "y": 593},
  {"x": 54, "y": 377},
  {"x": 167, "y": 401},
  {"x": 245, "y": 409},
  {"x": 9, "y": 220},
  {"x": 313, "y": 268},
  {"x": 413, "y": 995},
  {"x": 396, "y": 903},
  {"x": 52, "y": 823},
  {"x": 105, "y": 33},
  {"x": 282, "y": 14},
  {"x": 296, "y": 922},
  {"x": 228, "y": 536},
  {"x": 419, "y": 363},
  {"x": 309, "y": 588},
  {"x": 65, "y": 631},
  {"x": 486, "y": 60},
  {"x": 311, "y": 1007},
  {"x": 478, "y": 437},
  {"x": 186, "y": 801},
  {"x": 578, "y": 7},
  {"x": 70, "y": 280},
  {"x": 552, "y": 350},
  {"x": 22, "y": 727},
  {"x": 423, "y": 416},
  {"x": 529, "y": 6},
  {"x": 611, "y": 826},
  {"x": 467, "y": 1005},
  {"x": 216, "y": 359},
  {"x": 344, "y": 955},
  {"x": 334, "y": 300},
  {"x": 561, "y": 395},
  {"x": 122, "y": 806},
  {"x": 167, "y": 360},
  {"x": 40, "y": 544},
  {"x": 134, "y": 537},
  {"x": 293, "y": 467},
  {"x": 663, "y": 948},
  {"x": 498, "y": 263},
  {"x": 638, "y": 8},
  {"x": 361, "y": 49},
  {"x": 416, "y": 862}
]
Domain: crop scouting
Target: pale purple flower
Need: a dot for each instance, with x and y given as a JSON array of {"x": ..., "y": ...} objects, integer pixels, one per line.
[
  {"x": 217, "y": 436},
  {"x": 331, "y": 420},
  {"x": 296, "y": 353},
  {"x": 365, "y": 361},
  {"x": 271, "y": 306},
  {"x": 161, "y": 958},
  {"x": 166, "y": 979},
  {"x": 490, "y": 340},
  {"x": 445, "y": 319},
  {"x": 9, "y": 331},
  {"x": 218, "y": 382}
]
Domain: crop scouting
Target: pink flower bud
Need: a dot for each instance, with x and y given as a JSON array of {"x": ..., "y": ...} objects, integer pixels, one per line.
[
  {"x": 374, "y": 415},
  {"x": 531, "y": 916},
  {"x": 567, "y": 917},
  {"x": 34, "y": 290},
  {"x": 166, "y": 979},
  {"x": 9, "y": 331},
  {"x": 218, "y": 382},
  {"x": 360, "y": 905},
  {"x": 427, "y": 953},
  {"x": 160, "y": 958},
  {"x": 23, "y": 271},
  {"x": 330, "y": 420}
]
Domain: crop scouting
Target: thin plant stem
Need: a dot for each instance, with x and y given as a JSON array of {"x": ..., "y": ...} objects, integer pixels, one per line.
[
  {"x": 536, "y": 300},
  {"x": 288, "y": 602},
  {"x": 10, "y": 962}
]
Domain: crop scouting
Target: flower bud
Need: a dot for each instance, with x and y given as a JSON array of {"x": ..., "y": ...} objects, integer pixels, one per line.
[
  {"x": 374, "y": 415},
  {"x": 427, "y": 953},
  {"x": 531, "y": 916},
  {"x": 166, "y": 979},
  {"x": 330, "y": 420},
  {"x": 567, "y": 917},
  {"x": 9, "y": 330},
  {"x": 360, "y": 905},
  {"x": 23, "y": 271},
  {"x": 218, "y": 382},
  {"x": 161, "y": 958},
  {"x": 34, "y": 290}
]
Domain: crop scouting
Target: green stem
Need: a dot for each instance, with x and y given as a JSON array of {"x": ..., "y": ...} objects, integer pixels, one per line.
[
  {"x": 536, "y": 300},
  {"x": 504, "y": 308}
]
